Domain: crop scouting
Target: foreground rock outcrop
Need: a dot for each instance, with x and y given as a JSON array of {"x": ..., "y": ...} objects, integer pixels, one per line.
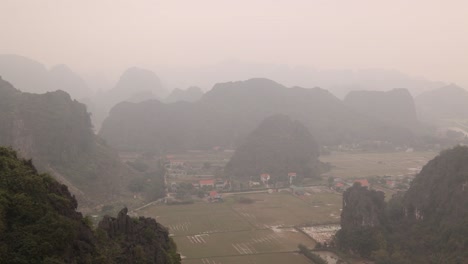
[
  {"x": 427, "y": 224},
  {"x": 39, "y": 224},
  {"x": 140, "y": 239}
]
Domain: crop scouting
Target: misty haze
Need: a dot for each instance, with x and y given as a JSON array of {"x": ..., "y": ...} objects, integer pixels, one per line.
[{"x": 225, "y": 132}]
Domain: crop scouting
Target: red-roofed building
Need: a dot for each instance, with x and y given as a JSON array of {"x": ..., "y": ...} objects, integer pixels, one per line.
[
  {"x": 208, "y": 183},
  {"x": 363, "y": 182},
  {"x": 265, "y": 177},
  {"x": 215, "y": 196}
]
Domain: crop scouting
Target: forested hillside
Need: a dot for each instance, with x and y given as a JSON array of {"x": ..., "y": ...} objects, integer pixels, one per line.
[
  {"x": 277, "y": 147},
  {"x": 427, "y": 224},
  {"x": 39, "y": 224}
]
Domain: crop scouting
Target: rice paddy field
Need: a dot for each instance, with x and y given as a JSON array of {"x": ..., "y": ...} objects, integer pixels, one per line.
[{"x": 264, "y": 231}]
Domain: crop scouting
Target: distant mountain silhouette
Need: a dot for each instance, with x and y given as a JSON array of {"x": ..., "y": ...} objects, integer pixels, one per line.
[
  {"x": 192, "y": 94},
  {"x": 31, "y": 76},
  {"x": 394, "y": 107},
  {"x": 63, "y": 78},
  {"x": 338, "y": 81},
  {"x": 135, "y": 85},
  {"x": 447, "y": 102},
  {"x": 26, "y": 74},
  {"x": 227, "y": 113},
  {"x": 136, "y": 80},
  {"x": 277, "y": 146}
]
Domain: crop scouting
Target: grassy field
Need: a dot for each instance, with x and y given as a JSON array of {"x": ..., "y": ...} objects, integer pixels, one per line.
[{"x": 357, "y": 165}]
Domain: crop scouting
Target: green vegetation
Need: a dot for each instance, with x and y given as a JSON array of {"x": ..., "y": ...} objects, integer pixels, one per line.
[
  {"x": 38, "y": 221},
  {"x": 427, "y": 224},
  {"x": 39, "y": 224},
  {"x": 150, "y": 184}
]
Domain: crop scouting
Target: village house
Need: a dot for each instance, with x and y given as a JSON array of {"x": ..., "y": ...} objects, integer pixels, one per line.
[
  {"x": 215, "y": 197},
  {"x": 291, "y": 176},
  {"x": 363, "y": 182},
  {"x": 264, "y": 178},
  {"x": 207, "y": 183},
  {"x": 220, "y": 184}
]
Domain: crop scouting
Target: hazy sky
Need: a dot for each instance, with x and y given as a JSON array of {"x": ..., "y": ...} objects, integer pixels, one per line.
[{"x": 420, "y": 37}]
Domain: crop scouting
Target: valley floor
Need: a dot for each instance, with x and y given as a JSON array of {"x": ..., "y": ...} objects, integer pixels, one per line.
[{"x": 270, "y": 227}]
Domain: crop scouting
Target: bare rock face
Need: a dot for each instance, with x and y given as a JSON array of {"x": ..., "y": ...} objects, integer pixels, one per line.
[{"x": 139, "y": 239}]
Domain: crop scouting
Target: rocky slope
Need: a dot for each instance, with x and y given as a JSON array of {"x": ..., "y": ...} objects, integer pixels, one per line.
[
  {"x": 39, "y": 224},
  {"x": 56, "y": 132}
]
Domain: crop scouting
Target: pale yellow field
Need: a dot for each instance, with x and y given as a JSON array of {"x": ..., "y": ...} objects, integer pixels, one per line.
[{"x": 357, "y": 165}]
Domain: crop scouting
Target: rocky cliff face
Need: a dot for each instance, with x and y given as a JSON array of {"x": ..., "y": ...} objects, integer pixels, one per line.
[
  {"x": 140, "y": 239},
  {"x": 56, "y": 132}
]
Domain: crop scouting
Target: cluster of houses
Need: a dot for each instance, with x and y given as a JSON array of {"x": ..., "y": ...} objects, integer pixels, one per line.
[
  {"x": 176, "y": 168},
  {"x": 264, "y": 181},
  {"x": 211, "y": 184}
]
